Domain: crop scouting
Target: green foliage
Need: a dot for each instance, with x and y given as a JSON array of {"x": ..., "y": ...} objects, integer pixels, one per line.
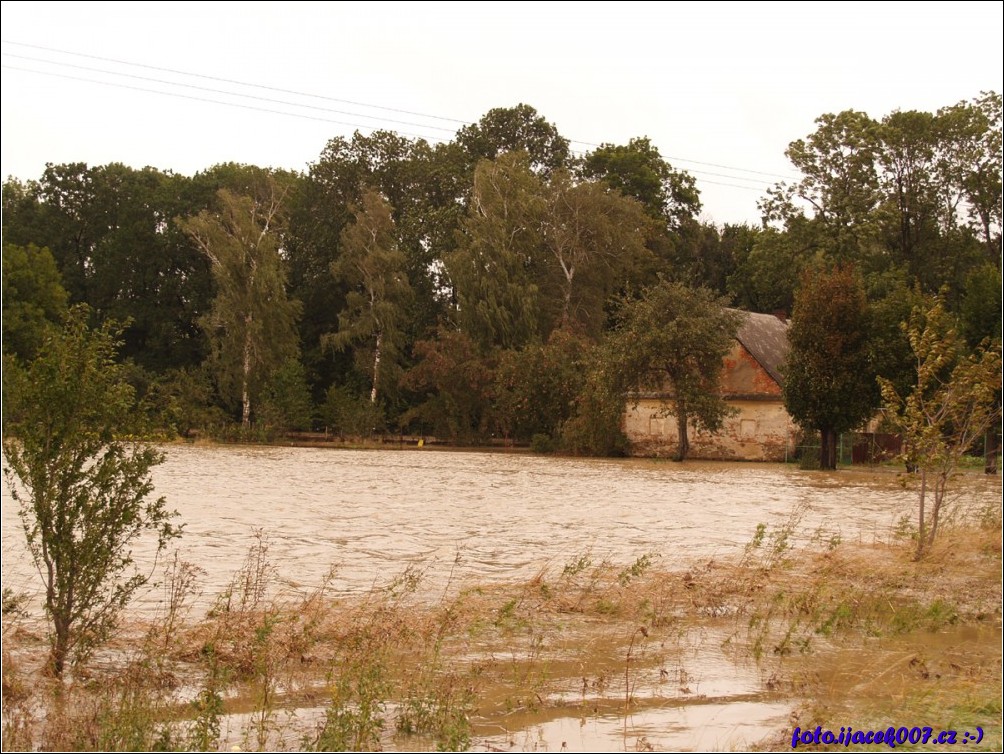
[
  {"x": 541, "y": 443},
  {"x": 351, "y": 415},
  {"x": 953, "y": 402},
  {"x": 594, "y": 241},
  {"x": 594, "y": 428},
  {"x": 980, "y": 311},
  {"x": 505, "y": 130},
  {"x": 671, "y": 342},
  {"x": 372, "y": 267},
  {"x": 536, "y": 386},
  {"x": 497, "y": 269},
  {"x": 252, "y": 322},
  {"x": 766, "y": 276},
  {"x": 84, "y": 494},
  {"x": 183, "y": 401},
  {"x": 636, "y": 569},
  {"x": 109, "y": 230},
  {"x": 636, "y": 169},
  {"x": 354, "y": 718},
  {"x": 829, "y": 384},
  {"x": 33, "y": 299},
  {"x": 454, "y": 382},
  {"x": 286, "y": 400},
  {"x": 914, "y": 191}
]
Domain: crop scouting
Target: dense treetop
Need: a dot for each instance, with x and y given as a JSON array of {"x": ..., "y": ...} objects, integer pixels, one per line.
[{"x": 395, "y": 284}]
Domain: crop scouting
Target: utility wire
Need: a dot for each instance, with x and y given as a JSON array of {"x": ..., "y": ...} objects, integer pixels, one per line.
[
  {"x": 119, "y": 85},
  {"x": 233, "y": 81},
  {"x": 202, "y": 99},
  {"x": 179, "y": 72},
  {"x": 223, "y": 91}
]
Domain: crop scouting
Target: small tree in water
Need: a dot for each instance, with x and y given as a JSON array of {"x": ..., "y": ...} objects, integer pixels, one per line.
[
  {"x": 84, "y": 495},
  {"x": 952, "y": 404}
]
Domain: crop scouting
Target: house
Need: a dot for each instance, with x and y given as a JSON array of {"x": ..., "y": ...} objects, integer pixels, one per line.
[{"x": 751, "y": 382}]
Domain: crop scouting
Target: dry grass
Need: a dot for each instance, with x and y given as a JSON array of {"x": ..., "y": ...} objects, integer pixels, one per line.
[{"x": 271, "y": 667}]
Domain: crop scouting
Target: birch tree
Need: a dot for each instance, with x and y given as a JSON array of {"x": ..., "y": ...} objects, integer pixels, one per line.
[
  {"x": 373, "y": 267},
  {"x": 252, "y": 322}
]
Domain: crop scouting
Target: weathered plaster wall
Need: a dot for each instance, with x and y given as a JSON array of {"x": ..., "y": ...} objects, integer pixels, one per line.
[{"x": 761, "y": 431}]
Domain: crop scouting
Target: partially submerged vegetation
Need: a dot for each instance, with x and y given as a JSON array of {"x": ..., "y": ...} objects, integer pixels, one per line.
[{"x": 273, "y": 667}]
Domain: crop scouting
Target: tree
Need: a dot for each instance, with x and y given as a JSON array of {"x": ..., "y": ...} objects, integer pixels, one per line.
[
  {"x": 829, "y": 384},
  {"x": 639, "y": 171},
  {"x": 252, "y": 323},
  {"x": 536, "y": 386},
  {"x": 454, "y": 384},
  {"x": 372, "y": 265},
  {"x": 84, "y": 495},
  {"x": 109, "y": 229},
  {"x": 497, "y": 271},
  {"x": 514, "y": 129},
  {"x": 33, "y": 298},
  {"x": 673, "y": 339},
  {"x": 840, "y": 184},
  {"x": 595, "y": 239},
  {"x": 953, "y": 403}
]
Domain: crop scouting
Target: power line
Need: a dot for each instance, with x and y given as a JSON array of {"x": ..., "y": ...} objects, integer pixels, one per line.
[
  {"x": 119, "y": 85},
  {"x": 179, "y": 95},
  {"x": 670, "y": 158},
  {"x": 221, "y": 91},
  {"x": 294, "y": 92},
  {"x": 233, "y": 81}
]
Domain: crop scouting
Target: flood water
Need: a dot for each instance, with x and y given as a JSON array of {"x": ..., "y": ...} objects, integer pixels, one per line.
[
  {"x": 483, "y": 517},
  {"x": 372, "y": 513}
]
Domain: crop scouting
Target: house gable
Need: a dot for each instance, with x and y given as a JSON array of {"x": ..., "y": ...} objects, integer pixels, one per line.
[{"x": 751, "y": 382}]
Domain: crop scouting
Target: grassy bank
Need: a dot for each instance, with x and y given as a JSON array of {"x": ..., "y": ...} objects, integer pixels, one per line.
[{"x": 833, "y": 634}]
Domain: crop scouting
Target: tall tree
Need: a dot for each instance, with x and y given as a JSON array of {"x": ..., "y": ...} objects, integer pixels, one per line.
[
  {"x": 373, "y": 267},
  {"x": 252, "y": 321},
  {"x": 109, "y": 230},
  {"x": 829, "y": 384},
  {"x": 453, "y": 382},
  {"x": 840, "y": 184},
  {"x": 497, "y": 269},
  {"x": 422, "y": 185},
  {"x": 970, "y": 159},
  {"x": 636, "y": 169},
  {"x": 514, "y": 129},
  {"x": 595, "y": 239},
  {"x": 673, "y": 339}
]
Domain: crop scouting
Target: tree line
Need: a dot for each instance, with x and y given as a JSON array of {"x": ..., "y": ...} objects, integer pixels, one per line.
[{"x": 498, "y": 286}]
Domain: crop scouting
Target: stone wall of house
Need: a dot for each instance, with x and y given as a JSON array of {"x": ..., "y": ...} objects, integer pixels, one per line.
[{"x": 760, "y": 431}]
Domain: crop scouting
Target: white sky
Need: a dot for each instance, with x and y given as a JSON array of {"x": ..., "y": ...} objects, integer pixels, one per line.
[{"x": 724, "y": 83}]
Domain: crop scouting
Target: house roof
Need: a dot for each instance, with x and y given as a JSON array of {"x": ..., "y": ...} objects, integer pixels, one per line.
[{"x": 766, "y": 338}]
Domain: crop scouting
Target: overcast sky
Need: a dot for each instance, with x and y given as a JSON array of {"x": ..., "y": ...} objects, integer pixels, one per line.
[{"x": 720, "y": 88}]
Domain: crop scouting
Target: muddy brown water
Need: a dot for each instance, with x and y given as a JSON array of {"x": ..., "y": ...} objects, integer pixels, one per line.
[
  {"x": 485, "y": 517},
  {"x": 372, "y": 513}
]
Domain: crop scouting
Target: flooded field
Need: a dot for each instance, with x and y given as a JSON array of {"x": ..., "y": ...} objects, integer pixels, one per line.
[
  {"x": 552, "y": 674},
  {"x": 372, "y": 513}
]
